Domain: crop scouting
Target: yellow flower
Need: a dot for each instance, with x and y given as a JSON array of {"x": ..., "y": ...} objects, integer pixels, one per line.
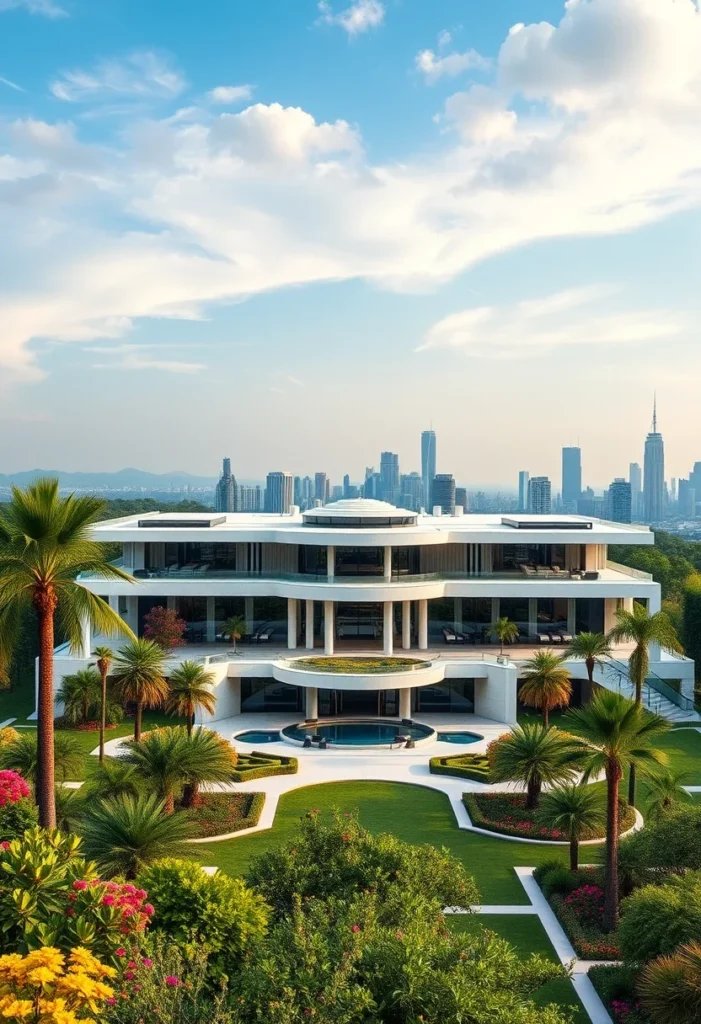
[
  {"x": 16, "y": 1008},
  {"x": 82, "y": 959},
  {"x": 68, "y": 1017},
  {"x": 47, "y": 956},
  {"x": 42, "y": 976}
]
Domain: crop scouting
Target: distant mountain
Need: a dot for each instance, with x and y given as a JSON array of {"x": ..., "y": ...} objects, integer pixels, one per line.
[{"x": 123, "y": 478}]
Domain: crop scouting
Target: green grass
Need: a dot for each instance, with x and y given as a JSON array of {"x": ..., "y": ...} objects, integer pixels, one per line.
[
  {"x": 527, "y": 935},
  {"x": 412, "y": 813},
  {"x": 89, "y": 741},
  {"x": 355, "y": 666}
]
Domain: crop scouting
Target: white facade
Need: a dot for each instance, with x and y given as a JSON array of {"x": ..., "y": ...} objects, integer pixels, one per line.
[{"x": 363, "y": 577}]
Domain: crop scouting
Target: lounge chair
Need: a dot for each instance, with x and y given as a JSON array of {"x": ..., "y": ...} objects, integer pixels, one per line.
[
  {"x": 556, "y": 638},
  {"x": 567, "y": 638},
  {"x": 543, "y": 638},
  {"x": 591, "y": 575},
  {"x": 450, "y": 636}
]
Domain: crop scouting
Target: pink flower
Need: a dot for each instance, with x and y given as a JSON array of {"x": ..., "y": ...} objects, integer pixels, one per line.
[
  {"x": 108, "y": 901},
  {"x": 131, "y": 964},
  {"x": 146, "y": 962},
  {"x": 5, "y": 845},
  {"x": 148, "y": 909},
  {"x": 80, "y": 884},
  {"x": 172, "y": 981},
  {"x": 120, "y": 952},
  {"x": 355, "y": 928},
  {"x": 129, "y": 975},
  {"x": 111, "y": 1001}
]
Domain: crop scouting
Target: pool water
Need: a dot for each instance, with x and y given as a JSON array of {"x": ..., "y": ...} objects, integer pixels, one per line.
[
  {"x": 258, "y": 736},
  {"x": 459, "y": 737},
  {"x": 358, "y": 734}
]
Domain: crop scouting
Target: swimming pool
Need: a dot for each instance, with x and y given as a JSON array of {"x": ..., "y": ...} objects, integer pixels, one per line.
[
  {"x": 258, "y": 736},
  {"x": 459, "y": 737},
  {"x": 370, "y": 733}
]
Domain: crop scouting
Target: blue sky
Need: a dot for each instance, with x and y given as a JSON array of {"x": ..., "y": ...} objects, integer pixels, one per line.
[{"x": 296, "y": 233}]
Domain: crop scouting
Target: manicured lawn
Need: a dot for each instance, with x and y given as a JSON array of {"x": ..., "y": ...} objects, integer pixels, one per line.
[
  {"x": 684, "y": 749},
  {"x": 526, "y": 935},
  {"x": 415, "y": 814}
]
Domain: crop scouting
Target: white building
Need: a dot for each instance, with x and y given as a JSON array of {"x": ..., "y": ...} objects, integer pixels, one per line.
[{"x": 361, "y": 577}]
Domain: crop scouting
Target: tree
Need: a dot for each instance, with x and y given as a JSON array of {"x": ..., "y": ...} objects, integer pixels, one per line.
[
  {"x": 546, "y": 683},
  {"x": 665, "y": 791},
  {"x": 164, "y": 627},
  {"x": 125, "y": 834},
  {"x": 505, "y": 631},
  {"x": 104, "y": 657},
  {"x": 210, "y": 758},
  {"x": 21, "y": 755},
  {"x": 169, "y": 759},
  {"x": 79, "y": 694},
  {"x": 234, "y": 629},
  {"x": 655, "y": 918},
  {"x": 139, "y": 677},
  {"x": 190, "y": 692},
  {"x": 670, "y": 986},
  {"x": 114, "y": 777},
  {"x": 691, "y": 621},
  {"x": 535, "y": 755},
  {"x": 642, "y": 629},
  {"x": 617, "y": 734},
  {"x": 44, "y": 547},
  {"x": 592, "y": 648},
  {"x": 574, "y": 810}
]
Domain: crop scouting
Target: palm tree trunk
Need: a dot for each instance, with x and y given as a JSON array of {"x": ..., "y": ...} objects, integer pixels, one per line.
[
  {"x": 103, "y": 712},
  {"x": 169, "y": 804},
  {"x": 613, "y": 778},
  {"x": 574, "y": 853},
  {"x": 589, "y": 662},
  {"x": 532, "y": 794},
  {"x": 190, "y": 722},
  {"x": 45, "y": 604},
  {"x": 137, "y": 720},
  {"x": 631, "y": 786},
  {"x": 191, "y": 794},
  {"x": 545, "y": 715}
]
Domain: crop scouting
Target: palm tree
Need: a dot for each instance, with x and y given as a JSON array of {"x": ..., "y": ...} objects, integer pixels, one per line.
[
  {"x": 190, "y": 692},
  {"x": 592, "y": 648},
  {"x": 665, "y": 790},
  {"x": 104, "y": 657},
  {"x": 125, "y": 834},
  {"x": 114, "y": 777},
  {"x": 234, "y": 628},
  {"x": 505, "y": 631},
  {"x": 642, "y": 629},
  {"x": 44, "y": 545},
  {"x": 70, "y": 807},
  {"x": 546, "y": 683},
  {"x": 139, "y": 677},
  {"x": 79, "y": 694},
  {"x": 21, "y": 755},
  {"x": 574, "y": 810},
  {"x": 211, "y": 759},
  {"x": 670, "y": 986},
  {"x": 535, "y": 755},
  {"x": 617, "y": 733}
]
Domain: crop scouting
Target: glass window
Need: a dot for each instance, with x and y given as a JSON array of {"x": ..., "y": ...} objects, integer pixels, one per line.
[
  {"x": 552, "y": 613},
  {"x": 194, "y": 611},
  {"x": 226, "y": 608},
  {"x": 145, "y": 606},
  {"x": 441, "y": 614},
  {"x": 511, "y": 557},
  {"x": 360, "y": 561},
  {"x": 270, "y": 695},
  {"x": 312, "y": 559},
  {"x": 589, "y": 615},
  {"x": 405, "y": 561},
  {"x": 476, "y": 617},
  {"x": 516, "y": 609},
  {"x": 271, "y": 612},
  {"x": 452, "y": 695}
]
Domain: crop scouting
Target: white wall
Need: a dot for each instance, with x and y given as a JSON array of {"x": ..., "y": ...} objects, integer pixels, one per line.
[{"x": 495, "y": 694}]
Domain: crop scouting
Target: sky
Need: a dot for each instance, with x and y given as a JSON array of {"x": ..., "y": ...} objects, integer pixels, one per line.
[{"x": 296, "y": 233}]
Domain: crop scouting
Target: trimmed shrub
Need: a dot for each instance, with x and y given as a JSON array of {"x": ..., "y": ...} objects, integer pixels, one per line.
[
  {"x": 218, "y": 914},
  {"x": 260, "y": 766},
  {"x": 559, "y": 880},
  {"x": 16, "y": 818},
  {"x": 506, "y": 814},
  {"x": 671, "y": 843},
  {"x": 217, "y": 814},
  {"x": 658, "y": 918},
  {"x": 474, "y": 767},
  {"x": 616, "y": 988}
]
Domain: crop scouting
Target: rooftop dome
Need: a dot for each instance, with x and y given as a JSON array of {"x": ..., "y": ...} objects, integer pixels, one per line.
[{"x": 359, "y": 512}]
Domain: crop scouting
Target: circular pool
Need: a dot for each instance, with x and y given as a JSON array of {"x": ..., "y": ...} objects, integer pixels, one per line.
[
  {"x": 358, "y": 733},
  {"x": 459, "y": 737},
  {"x": 258, "y": 736}
]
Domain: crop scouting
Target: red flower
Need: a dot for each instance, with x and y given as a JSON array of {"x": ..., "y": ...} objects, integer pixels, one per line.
[{"x": 355, "y": 928}]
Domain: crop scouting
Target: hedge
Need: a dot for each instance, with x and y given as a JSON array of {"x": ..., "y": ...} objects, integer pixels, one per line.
[
  {"x": 222, "y": 813},
  {"x": 478, "y": 803},
  {"x": 474, "y": 767},
  {"x": 259, "y": 766}
]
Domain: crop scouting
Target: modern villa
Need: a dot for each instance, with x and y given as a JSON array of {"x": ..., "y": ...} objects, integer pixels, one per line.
[{"x": 361, "y": 578}]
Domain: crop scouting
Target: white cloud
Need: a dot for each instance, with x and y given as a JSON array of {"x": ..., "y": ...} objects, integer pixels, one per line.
[
  {"x": 450, "y": 65},
  {"x": 445, "y": 38},
  {"x": 272, "y": 132},
  {"x": 534, "y": 327},
  {"x": 140, "y": 75},
  {"x": 46, "y": 7},
  {"x": 136, "y": 357},
  {"x": 356, "y": 19},
  {"x": 226, "y": 94},
  {"x": 10, "y": 84}
]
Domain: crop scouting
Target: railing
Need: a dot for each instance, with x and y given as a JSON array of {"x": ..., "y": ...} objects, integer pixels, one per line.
[
  {"x": 653, "y": 684},
  {"x": 627, "y": 570}
]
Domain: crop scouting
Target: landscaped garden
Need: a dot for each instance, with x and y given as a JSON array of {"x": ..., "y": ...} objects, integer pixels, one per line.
[{"x": 359, "y": 666}]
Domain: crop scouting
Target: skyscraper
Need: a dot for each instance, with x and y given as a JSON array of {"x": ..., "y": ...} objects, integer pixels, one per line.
[
  {"x": 278, "y": 492},
  {"x": 523, "y": 479},
  {"x": 443, "y": 492},
  {"x": 225, "y": 491},
  {"x": 653, "y": 482},
  {"x": 619, "y": 501},
  {"x": 461, "y": 498},
  {"x": 346, "y": 486},
  {"x": 389, "y": 477},
  {"x": 320, "y": 487},
  {"x": 571, "y": 478},
  {"x": 411, "y": 491},
  {"x": 539, "y": 495},
  {"x": 636, "y": 490},
  {"x": 428, "y": 464},
  {"x": 687, "y": 499}
]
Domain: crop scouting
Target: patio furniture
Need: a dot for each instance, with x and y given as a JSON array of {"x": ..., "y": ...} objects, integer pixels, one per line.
[
  {"x": 556, "y": 638},
  {"x": 543, "y": 638},
  {"x": 567, "y": 638},
  {"x": 410, "y": 743},
  {"x": 450, "y": 636},
  {"x": 591, "y": 575},
  {"x": 307, "y": 742},
  {"x": 323, "y": 744}
]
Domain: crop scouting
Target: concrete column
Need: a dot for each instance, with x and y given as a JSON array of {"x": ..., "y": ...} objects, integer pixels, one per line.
[
  {"x": 423, "y": 625},
  {"x": 457, "y": 614},
  {"x": 312, "y": 702},
  {"x": 248, "y": 613},
  {"x": 405, "y": 702},
  {"x": 610, "y": 607},
  {"x": 170, "y": 603},
  {"x": 139, "y": 556},
  {"x": 235, "y": 687},
  {"x": 330, "y": 561},
  {"x": 388, "y": 628},
  {"x": 85, "y": 638},
  {"x": 388, "y": 562},
  {"x": 571, "y": 615},
  {"x": 113, "y": 601},
  {"x": 132, "y": 616},
  {"x": 532, "y": 615},
  {"x": 328, "y": 627},
  {"x": 211, "y": 622},
  {"x": 406, "y": 625},
  {"x": 310, "y": 625},
  {"x": 628, "y": 604},
  {"x": 291, "y": 623}
]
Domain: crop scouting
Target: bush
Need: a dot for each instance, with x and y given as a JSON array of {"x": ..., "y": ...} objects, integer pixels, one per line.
[
  {"x": 506, "y": 814},
  {"x": 588, "y": 941},
  {"x": 559, "y": 879},
  {"x": 658, "y": 918},
  {"x": 616, "y": 988},
  {"x": 672, "y": 843},
  {"x": 218, "y": 914},
  {"x": 259, "y": 766},
  {"x": 16, "y": 818},
  {"x": 49, "y": 989},
  {"x": 474, "y": 767},
  {"x": 217, "y": 814}
]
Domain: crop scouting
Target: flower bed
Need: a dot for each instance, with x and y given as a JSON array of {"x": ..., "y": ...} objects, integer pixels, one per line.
[
  {"x": 474, "y": 767},
  {"x": 577, "y": 900},
  {"x": 506, "y": 814},
  {"x": 221, "y": 813},
  {"x": 257, "y": 765},
  {"x": 358, "y": 666},
  {"x": 615, "y": 985}
]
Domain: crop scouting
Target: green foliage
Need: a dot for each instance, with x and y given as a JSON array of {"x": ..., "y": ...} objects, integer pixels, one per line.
[
  {"x": 535, "y": 755},
  {"x": 554, "y": 877},
  {"x": 114, "y": 777},
  {"x": 16, "y": 818},
  {"x": 218, "y": 814},
  {"x": 691, "y": 620},
  {"x": 474, "y": 767},
  {"x": 665, "y": 791},
  {"x": 70, "y": 807},
  {"x": 656, "y": 919},
  {"x": 670, "y": 561},
  {"x": 338, "y": 858},
  {"x": 506, "y": 814},
  {"x": 671, "y": 843},
  {"x": 80, "y": 695},
  {"x": 20, "y": 755},
  {"x": 361, "y": 666},
  {"x": 218, "y": 914},
  {"x": 190, "y": 691},
  {"x": 614, "y": 982},
  {"x": 259, "y": 766},
  {"x": 670, "y": 987}
]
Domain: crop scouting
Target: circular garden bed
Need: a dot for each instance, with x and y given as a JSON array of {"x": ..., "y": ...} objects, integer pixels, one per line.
[
  {"x": 218, "y": 814},
  {"x": 506, "y": 814},
  {"x": 359, "y": 666}
]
